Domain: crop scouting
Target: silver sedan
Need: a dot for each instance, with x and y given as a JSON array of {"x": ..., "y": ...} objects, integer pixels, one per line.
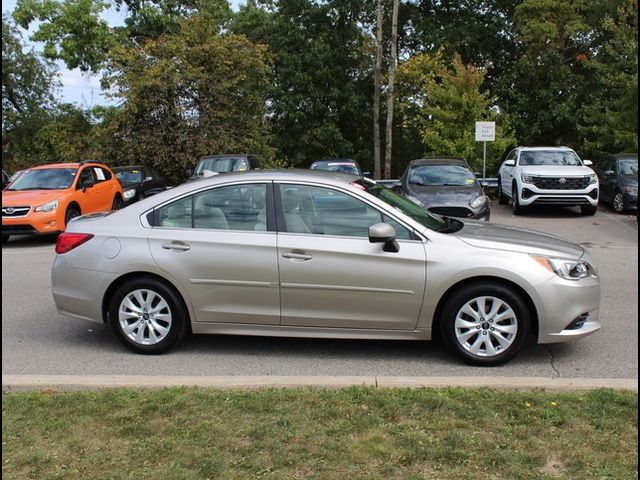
[{"x": 319, "y": 254}]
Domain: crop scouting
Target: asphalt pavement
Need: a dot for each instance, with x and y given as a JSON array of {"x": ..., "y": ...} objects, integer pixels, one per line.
[{"x": 38, "y": 341}]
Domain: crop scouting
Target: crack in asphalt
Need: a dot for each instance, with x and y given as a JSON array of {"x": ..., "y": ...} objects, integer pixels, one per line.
[{"x": 551, "y": 359}]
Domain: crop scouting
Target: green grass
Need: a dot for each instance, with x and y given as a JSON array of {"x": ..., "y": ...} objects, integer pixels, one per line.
[{"x": 356, "y": 433}]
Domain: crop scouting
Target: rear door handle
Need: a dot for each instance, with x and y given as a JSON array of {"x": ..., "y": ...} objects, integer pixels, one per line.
[
  {"x": 181, "y": 247},
  {"x": 297, "y": 256}
]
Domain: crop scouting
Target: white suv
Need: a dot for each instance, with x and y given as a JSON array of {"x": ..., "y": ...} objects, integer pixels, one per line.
[{"x": 547, "y": 176}]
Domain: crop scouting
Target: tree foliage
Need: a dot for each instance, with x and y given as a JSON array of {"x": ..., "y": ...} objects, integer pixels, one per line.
[{"x": 441, "y": 102}]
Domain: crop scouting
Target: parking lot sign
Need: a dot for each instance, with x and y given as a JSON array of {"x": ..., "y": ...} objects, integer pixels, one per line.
[{"x": 485, "y": 131}]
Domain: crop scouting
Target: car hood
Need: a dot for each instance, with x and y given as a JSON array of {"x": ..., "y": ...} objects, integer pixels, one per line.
[
  {"x": 502, "y": 237},
  {"x": 29, "y": 197},
  {"x": 556, "y": 171},
  {"x": 444, "y": 195}
]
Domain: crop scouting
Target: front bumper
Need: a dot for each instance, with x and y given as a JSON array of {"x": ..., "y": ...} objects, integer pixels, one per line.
[
  {"x": 33, "y": 223},
  {"x": 567, "y": 309},
  {"x": 630, "y": 201},
  {"x": 531, "y": 195}
]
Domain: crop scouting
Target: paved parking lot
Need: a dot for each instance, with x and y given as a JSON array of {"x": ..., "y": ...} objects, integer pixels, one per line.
[{"x": 36, "y": 340}]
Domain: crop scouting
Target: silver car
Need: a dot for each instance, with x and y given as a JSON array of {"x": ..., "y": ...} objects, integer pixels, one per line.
[{"x": 319, "y": 254}]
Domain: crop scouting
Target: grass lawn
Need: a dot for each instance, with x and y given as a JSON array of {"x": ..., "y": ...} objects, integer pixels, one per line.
[{"x": 355, "y": 433}]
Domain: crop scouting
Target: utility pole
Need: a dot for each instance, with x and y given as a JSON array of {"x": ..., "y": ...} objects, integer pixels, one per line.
[
  {"x": 377, "y": 82},
  {"x": 390, "y": 100}
]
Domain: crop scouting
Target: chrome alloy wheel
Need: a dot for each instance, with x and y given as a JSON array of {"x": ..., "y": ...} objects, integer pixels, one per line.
[
  {"x": 486, "y": 326},
  {"x": 145, "y": 317},
  {"x": 618, "y": 203}
]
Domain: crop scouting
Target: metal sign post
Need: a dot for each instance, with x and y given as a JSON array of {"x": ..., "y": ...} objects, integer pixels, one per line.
[{"x": 485, "y": 132}]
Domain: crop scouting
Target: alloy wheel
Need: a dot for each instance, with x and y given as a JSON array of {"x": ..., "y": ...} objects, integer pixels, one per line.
[
  {"x": 618, "y": 203},
  {"x": 145, "y": 317},
  {"x": 486, "y": 326}
]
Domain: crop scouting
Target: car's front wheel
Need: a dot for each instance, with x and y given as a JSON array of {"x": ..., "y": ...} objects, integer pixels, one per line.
[
  {"x": 485, "y": 324},
  {"x": 502, "y": 198},
  {"x": 147, "y": 315},
  {"x": 515, "y": 201},
  {"x": 618, "y": 202}
]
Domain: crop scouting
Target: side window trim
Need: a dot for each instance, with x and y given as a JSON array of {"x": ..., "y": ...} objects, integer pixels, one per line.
[{"x": 281, "y": 224}]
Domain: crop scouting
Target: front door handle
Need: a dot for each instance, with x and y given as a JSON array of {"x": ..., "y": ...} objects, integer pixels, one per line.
[
  {"x": 297, "y": 256},
  {"x": 181, "y": 247}
]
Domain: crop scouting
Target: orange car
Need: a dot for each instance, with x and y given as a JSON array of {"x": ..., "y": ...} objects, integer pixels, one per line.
[{"x": 45, "y": 197}]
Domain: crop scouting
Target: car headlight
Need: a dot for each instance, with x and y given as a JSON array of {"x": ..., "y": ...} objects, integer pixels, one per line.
[
  {"x": 593, "y": 179},
  {"x": 416, "y": 201},
  {"x": 48, "y": 207},
  {"x": 478, "y": 201},
  {"x": 527, "y": 178},
  {"x": 129, "y": 194},
  {"x": 632, "y": 189},
  {"x": 567, "y": 269}
]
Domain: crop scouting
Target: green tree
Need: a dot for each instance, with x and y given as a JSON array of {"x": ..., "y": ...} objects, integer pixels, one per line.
[
  {"x": 320, "y": 102},
  {"x": 187, "y": 94},
  {"x": 440, "y": 102},
  {"x": 609, "y": 121}
]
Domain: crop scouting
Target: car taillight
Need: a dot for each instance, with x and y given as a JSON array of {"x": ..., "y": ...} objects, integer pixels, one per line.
[{"x": 69, "y": 241}]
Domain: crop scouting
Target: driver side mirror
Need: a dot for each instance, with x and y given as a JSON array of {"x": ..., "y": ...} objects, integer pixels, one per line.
[
  {"x": 188, "y": 172},
  {"x": 148, "y": 179},
  {"x": 509, "y": 163},
  {"x": 384, "y": 233},
  {"x": 609, "y": 173},
  {"x": 587, "y": 163},
  {"x": 86, "y": 184}
]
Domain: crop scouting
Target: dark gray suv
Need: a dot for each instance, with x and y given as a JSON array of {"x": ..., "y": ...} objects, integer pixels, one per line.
[{"x": 618, "y": 176}]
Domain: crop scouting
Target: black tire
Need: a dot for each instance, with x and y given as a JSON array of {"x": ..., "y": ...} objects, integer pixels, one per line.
[
  {"x": 588, "y": 209},
  {"x": 502, "y": 198},
  {"x": 521, "y": 318},
  {"x": 515, "y": 201},
  {"x": 117, "y": 203},
  {"x": 618, "y": 202},
  {"x": 72, "y": 212},
  {"x": 177, "y": 326}
]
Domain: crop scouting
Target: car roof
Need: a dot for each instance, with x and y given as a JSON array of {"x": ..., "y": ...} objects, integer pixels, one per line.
[
  {"x": 625, "y": 156},
  {"x": 336, "y": 160},
  {"x": 227, "y": 155},
  {"x": 64, "y": 165},
  {"x": 127, "y": 167},
  {"x": 545, "y": 148},
  {"x": 439, "y": 161}
]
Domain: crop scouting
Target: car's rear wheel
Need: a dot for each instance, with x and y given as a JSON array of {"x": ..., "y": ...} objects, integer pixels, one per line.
[
  {"x": 618, "y": 202},
  {"x": 502, "y": 198},
  {"x": 485, "y": 324},
  {"x": 147, "y": 315},
  {"x": 72, "y": 212},
  {"x": 515, "y": 201},
  {"x": 117, "y": 204}
]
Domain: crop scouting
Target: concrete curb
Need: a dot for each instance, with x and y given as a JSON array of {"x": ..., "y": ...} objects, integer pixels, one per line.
[{"x": 91, "y": 382}]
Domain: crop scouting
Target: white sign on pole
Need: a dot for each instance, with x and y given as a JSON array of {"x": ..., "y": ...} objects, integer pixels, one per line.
[{"x": 485, "y": 131}]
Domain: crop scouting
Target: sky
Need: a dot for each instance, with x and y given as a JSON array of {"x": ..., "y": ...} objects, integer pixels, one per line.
[{"x": 77, "y": 87}]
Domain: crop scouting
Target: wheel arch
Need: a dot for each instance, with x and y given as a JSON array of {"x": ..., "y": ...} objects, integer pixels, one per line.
[
  {"x": 115, "y": 284},
  {"x": 435, "y": 324},
  {"x": 73, "y": 204}
]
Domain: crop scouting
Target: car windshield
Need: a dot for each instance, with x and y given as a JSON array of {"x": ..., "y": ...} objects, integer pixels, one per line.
[
  {"x": 403, "y": 205},
  {"x": 221, "y": 165},
  {"x": 629, "y": 167},
  {"x": 44, "y": 179},
  {"x": 433, "y": 175},
  {"x": 344, "y": 167},
  {"x": 129, "y": 175},
  {"x": 550, "y": 157}
]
